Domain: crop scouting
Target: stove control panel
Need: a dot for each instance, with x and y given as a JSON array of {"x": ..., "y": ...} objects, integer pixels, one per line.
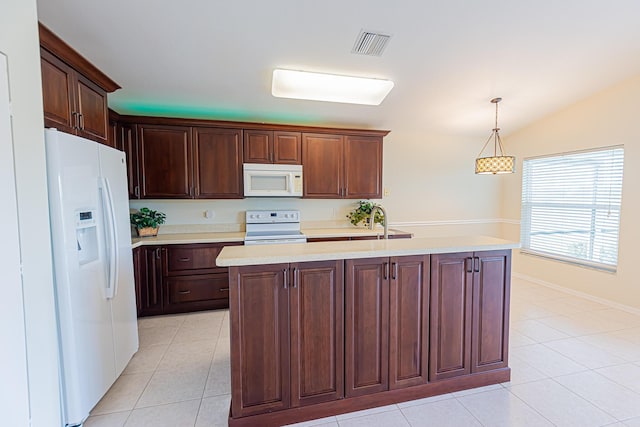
[{"x": 271, "y": 217}]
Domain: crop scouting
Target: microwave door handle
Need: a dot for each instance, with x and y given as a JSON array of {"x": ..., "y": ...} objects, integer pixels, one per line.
[{"x": 290, "y": 189}]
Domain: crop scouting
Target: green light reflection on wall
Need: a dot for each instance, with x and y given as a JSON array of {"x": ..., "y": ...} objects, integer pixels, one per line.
[{"x": 195, "y": 112}]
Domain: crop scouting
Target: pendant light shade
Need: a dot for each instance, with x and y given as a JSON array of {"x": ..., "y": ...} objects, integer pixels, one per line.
[{"x": 495, "y": 164}]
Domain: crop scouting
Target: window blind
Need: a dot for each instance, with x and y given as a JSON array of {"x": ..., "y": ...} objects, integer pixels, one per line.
[{"x": 571, "y": 206}]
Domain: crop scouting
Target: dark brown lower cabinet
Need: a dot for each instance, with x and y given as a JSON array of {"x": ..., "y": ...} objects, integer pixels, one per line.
[
  {"x": 491, "y": 296},
  {"x": 387, "y": 323},
  {"x": 408, "y": 321},
  {"x": 180, "y": 278},
  {"x": 469, "y": 312},
  {"x": 260, "y": 354},
  {"x": 148, "y": 277},
  {"x": 366, "y": 326},
  {"x": 288, "y": 319},
  {"x": 451, "y": 293},
  {"x": 314, "y": 339}
]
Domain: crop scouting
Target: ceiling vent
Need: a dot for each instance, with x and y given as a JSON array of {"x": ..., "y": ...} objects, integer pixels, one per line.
[{"x": 370, "y": 43}]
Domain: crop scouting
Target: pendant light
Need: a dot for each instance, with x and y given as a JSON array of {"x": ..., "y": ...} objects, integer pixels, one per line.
[{"x": 497, "y": 163}]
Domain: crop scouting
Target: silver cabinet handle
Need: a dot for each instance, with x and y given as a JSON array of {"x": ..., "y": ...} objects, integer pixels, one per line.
[
  {"x": 185, "y": 259},
  {"x": 184, "y": 292},
  {"x": 224, "y": 289}
]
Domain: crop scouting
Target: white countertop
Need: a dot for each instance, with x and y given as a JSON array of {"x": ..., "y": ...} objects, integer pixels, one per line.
[
  {"x": 321, "y": 251},
  {"x": 314, "y": 233},
  {"x": 187, "y": 238},
  {"x": 238, "y": 236}
]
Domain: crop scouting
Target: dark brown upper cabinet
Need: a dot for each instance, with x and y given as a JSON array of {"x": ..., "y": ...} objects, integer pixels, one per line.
[
  {"x": 165, "y": 159},
  {"x": 342, "y": 166},
  {"x": 74, "y": 92},
  {"x": 265, "y": 146},
  {"x": 177, "y": 162},
  {"x": 218, "y": 163}
]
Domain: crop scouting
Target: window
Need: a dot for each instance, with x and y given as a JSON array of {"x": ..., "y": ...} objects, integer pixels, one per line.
[{"x": 571, "y": 206}]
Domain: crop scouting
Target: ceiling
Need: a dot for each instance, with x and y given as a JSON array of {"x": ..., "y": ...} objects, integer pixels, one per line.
[{"x": 214, "y": 59}]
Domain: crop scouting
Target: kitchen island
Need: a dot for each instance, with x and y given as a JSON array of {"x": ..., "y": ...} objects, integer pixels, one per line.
[{"x": 320, "y": 329}]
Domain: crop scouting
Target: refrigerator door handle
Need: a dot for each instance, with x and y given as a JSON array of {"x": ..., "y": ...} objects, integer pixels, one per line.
[{"x": 112, "y": 249}]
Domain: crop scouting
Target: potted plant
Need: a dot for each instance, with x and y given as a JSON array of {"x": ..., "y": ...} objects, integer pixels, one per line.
[
  {"x": 147, "y": 221},
  {"x": 362, "y": 214}
]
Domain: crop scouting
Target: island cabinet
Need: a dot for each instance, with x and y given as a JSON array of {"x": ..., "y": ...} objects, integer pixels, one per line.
[
  {"x": 288, "y": 320},
  {"x": 469, "y": 313},
  {"x": 265, "y": 146},
  {"x": 342, "y": 166},
  {"x": 314, "y": 339},
  {"x": 387, "y": 306}
]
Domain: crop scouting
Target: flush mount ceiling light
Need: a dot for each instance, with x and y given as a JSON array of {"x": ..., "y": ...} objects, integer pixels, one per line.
[
  {"x": 496, "y": 163},
  {"x": 329, "y": 87}
]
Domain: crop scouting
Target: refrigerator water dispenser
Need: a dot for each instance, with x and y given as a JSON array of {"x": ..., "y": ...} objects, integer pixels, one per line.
[{"x": 86, "y": 236}]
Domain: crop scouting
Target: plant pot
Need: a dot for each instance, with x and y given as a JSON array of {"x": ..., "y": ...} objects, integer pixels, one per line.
[{"x": 147, "y": 231}]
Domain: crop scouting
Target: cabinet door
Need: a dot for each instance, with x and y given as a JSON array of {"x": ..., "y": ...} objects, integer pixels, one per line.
[
  {"x": 317, "y": 332},
  {"x": 258, "y": 146},
  {"x": 218, "y": 163},
  {"x": 491, "y": 285},
  {"x": 258, "y": 300},
  {"x": 113, "y": 134},
  {"x": 127, "y": 142},
  {"x": 450, "y": 323},
  {"x": 366, "y": 326},
  {"x": 408, "y": 321},
  {"x": 363, "y": 167},
  {"x": 149, "y": 286},
  {"x": 57, "y": 93},
  {"x": 165, "y": 158},
  {"x": 92, "y": 109},
  {"x": 322, "y": 166},
  {"x": 287, "y": 148}
]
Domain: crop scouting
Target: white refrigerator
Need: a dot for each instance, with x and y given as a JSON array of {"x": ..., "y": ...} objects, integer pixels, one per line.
[{"x": 91, "y": 238}]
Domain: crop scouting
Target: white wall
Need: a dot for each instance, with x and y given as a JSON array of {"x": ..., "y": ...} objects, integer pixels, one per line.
[
  {"x": 19, "y": 41},
  {"x": 430, "y": 179},
  {"x": 607, "y": 118}
]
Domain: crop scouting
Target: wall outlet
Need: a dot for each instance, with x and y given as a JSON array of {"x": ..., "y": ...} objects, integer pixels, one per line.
[{"x": 386, "y": 192}]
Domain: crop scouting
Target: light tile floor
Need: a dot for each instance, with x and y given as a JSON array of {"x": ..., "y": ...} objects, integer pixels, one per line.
[{"x": 574, "y": 362}]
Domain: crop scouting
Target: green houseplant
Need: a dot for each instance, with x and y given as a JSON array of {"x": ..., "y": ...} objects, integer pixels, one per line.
[
  {"x": 147, "y": 221},
  {"x": 362, "y": 214}
]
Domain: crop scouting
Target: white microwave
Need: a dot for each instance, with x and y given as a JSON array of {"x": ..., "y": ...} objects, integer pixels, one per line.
[{"x": 268, "y": 180}]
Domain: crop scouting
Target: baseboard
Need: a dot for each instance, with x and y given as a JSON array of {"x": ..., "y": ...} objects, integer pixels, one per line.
[{"x": 573, "y": 292}]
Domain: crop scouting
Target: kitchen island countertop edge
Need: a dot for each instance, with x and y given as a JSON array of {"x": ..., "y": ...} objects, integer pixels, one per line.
[{"x": 321, "y": 251}]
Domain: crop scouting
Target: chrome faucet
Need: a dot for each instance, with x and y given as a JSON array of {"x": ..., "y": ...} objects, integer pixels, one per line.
[{"x": 372, "y": 222}]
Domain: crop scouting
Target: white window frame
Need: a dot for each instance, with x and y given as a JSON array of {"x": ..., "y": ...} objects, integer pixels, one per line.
[{"x": 546, "y": 174}]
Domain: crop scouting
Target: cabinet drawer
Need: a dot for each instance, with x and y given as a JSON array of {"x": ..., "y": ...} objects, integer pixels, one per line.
[
  {"x": 184, "y": 258},
  {"x": 204, "y": 287}
]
